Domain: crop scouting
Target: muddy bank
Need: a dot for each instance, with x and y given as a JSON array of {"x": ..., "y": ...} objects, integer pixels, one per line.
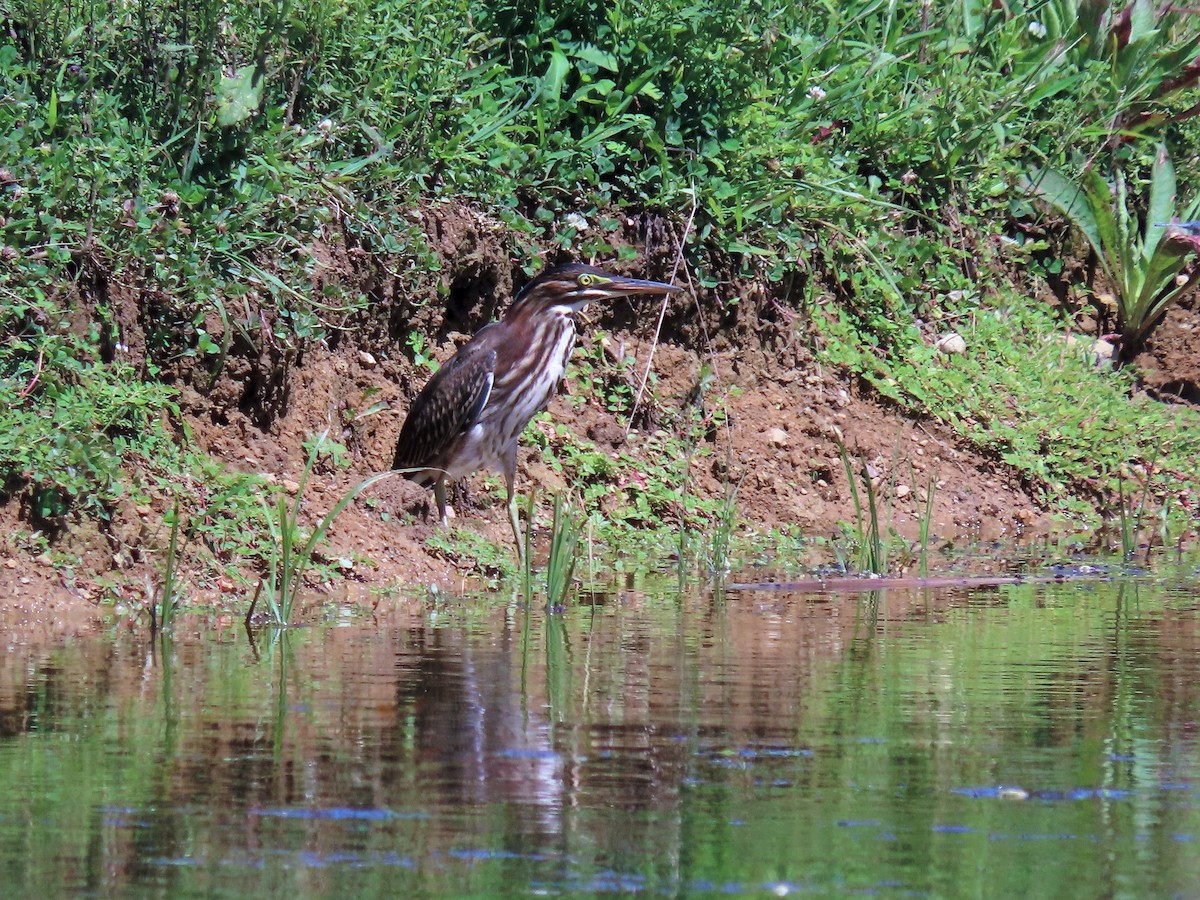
[{"x": 775, "y": 418}]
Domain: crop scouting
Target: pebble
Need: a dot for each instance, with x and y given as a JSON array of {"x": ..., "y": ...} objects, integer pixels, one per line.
[
  {"x": 951, "y": 344},
  {"x": 367, "y": 359}
]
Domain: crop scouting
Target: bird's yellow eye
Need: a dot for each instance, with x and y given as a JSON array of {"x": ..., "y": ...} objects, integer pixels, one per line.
[{"x": 587, "y": 279}]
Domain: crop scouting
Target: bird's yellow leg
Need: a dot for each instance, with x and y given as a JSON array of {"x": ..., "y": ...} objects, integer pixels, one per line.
[
  {"x": 510, "y": 482},
  {"x": 439, "y": 495}
]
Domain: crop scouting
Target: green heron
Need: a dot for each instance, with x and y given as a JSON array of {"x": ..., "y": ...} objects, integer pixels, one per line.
[{"x": 472, "y": 412}]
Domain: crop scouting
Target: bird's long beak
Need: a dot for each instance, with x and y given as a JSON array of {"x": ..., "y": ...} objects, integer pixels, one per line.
[
  {"x": 621, "y": 287},
  {"x": 617, "y": 286}
]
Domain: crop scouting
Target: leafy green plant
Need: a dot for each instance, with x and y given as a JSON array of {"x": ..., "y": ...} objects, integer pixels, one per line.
[
  {"x": 291, "y": 549},
  {"x": 926, "y": 519},
  {"x": 564, "y": 543},
  {"x": 869, "y": 537},
  {"x": 472, "y": 551},
  {"x": 1145, "y": 267},
  {"x": 1141, "y": 54},
  {"x": 560, "y": 564},
  {"x": 164, "y": 600}
]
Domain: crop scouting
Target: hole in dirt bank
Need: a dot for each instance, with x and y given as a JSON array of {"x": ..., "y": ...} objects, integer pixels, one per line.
[
  {"x": 264, "y": 399},
  {"x": 1178, "y": 391},
  {"x": 471, "y": 302}
]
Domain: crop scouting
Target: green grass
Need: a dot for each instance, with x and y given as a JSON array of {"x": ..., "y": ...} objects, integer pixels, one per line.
[{"x": 1034, "y": 400}]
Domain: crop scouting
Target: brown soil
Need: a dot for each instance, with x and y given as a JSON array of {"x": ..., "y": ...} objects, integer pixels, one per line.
[
  {"x": 779, "y": 443},
  {"x": 1172, "y": 362}
]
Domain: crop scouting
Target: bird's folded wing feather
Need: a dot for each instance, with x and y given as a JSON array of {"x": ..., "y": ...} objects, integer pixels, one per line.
[{"x": 447, "y": 406}]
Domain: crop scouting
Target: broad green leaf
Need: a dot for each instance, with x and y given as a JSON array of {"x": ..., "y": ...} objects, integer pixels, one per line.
[
  {"x": 1067, "y": 198},
  {"x": 1162, "y": 200},
  {"x": 1141, "y": 21},
  {"x": 238, "y": 96},
  {"x": 602, "y": 59},
  {"x": 556, "y": 73},
  {"x": 1100, "y": 204}
]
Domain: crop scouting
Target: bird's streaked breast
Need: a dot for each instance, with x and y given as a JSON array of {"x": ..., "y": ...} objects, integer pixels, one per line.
[{"x": 525, "y": 386}]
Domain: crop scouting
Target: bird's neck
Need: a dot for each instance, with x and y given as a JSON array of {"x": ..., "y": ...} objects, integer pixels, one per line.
[{"x": 528, "y": 312}]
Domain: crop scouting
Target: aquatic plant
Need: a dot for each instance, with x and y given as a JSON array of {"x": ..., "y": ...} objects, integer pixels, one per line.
[
  {"x": 291, "y": 549},
  {"x": 560, "y": 564},
  {"x": 926, "y": 517},
  {"x": 164, "y": 598},
  {"x": 869, "y": 540}
]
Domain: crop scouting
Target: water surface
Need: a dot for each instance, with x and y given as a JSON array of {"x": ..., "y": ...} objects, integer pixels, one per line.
[{"x": 1016, "y": 740}]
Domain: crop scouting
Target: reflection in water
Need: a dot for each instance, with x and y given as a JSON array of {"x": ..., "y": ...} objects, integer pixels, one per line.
[{"x": 1035, "y": 740}]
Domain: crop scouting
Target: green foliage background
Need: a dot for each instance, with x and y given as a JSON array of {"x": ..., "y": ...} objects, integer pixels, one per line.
[{"x": 863, "y": 160}]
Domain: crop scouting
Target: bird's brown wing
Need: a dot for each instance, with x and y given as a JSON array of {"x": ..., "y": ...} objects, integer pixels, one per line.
[{"x": 446, "y": 407}]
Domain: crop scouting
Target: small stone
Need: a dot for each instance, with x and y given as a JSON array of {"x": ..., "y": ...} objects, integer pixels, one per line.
[
  {"x": 367, "y": 359},
  {"x": 951, "y": 344},
  {"x": 290, "y": 486},
  {"x": 776, "y": 437},
  {"x": 10, "y": 563},
  {"x": 44, "y": 560},
  {"x": 1103, "y": 350},
  {"x": 902, "y": 491}
]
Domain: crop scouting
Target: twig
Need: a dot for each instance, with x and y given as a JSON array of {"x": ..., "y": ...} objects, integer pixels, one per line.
[
  {"x": 28, "y": 389},
  {"x": 662, "y": 314}
]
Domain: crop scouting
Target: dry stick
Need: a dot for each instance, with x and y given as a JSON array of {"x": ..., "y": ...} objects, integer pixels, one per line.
[
  {"x": 28, "y": 389},
  {"x": 662, "y": 314}
]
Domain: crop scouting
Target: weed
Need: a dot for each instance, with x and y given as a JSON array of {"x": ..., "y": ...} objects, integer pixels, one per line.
[
  {"x": 464, "y": 547},
  {"x": 564, "y": 541},
  {"x": 565, "y": 531},
  {"x": 926, "y": 519},
  {"x": 291, "y": 550},
  {"x": 164, "y": 599},
  {"x": 868, "y": 535}
]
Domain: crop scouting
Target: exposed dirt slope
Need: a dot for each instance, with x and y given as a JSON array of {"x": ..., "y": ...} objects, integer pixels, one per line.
[{"x": 778, "y": 443}]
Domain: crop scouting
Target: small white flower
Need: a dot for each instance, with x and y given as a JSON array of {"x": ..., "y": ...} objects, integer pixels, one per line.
[
  {"x": 324, "y": 126},
  {"x": 816, "y": 92},
  {"x": 1037, "y": 29},
  {"x": 577, "y": 221}
]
